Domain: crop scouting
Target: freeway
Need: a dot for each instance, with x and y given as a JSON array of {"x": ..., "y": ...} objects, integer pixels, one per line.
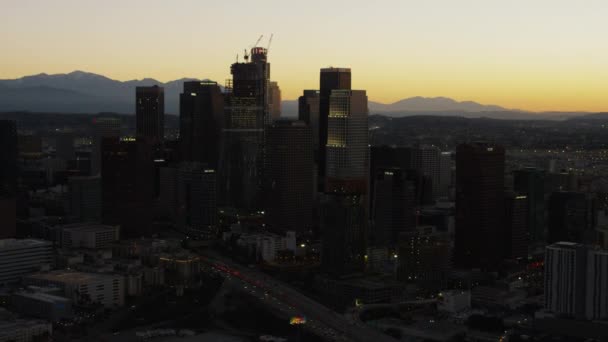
[{"x": 320, "y": 320}]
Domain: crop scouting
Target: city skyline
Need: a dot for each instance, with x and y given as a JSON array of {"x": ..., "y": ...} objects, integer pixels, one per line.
[{"x": 510, "y": 54}]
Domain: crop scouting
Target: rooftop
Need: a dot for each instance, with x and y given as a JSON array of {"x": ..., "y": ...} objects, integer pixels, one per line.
[{"x": 9, "y": 244}]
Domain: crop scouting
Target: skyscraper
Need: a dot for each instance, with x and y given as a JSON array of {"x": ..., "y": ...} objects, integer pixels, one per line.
[
  {"x": 344, "y": 233},
  {"x": 308, "y": 111},
  {"x": 127, "y": 173},
  {"x": 393, "y": 207},
  {"x": 565, "y": 278},
  {"x": 274, "y": 97},
  {"x": 479, "y": 205},
  {"x": 426, "y": 159},
  {"x": 150, "y": 113},
  {"x": 200, "y": 121},
  {"x": 516, "y": 230},
  {"x": 8, "y": 179},
  {"x": 331, "y": 79},
  {"x": 289, "y": 172},
  {"x": 596, "y": 302},
  {"x": 247, "y": 113},
  {"x": 531, "y": 183},
  {"x": 345, "y": 204},
  {"x": 347, "y": 147}
]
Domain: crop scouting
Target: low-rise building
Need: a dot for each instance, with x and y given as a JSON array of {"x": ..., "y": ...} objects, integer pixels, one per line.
[
  {"x": 81, "y": 287},
  {"x": 22, "y": 257}
]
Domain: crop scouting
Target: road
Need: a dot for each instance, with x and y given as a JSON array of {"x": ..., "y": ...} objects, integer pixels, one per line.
[{"x": 320, "y": 320}]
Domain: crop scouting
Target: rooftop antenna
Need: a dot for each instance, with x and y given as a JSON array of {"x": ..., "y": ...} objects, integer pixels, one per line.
[{"x": 246, "y": 56}]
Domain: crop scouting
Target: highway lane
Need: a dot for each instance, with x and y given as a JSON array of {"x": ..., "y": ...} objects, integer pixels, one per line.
[{"x": 321, "y": 320}]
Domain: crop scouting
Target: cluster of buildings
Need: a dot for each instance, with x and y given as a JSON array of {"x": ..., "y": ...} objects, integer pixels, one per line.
[{"x": 383, "y": 223}]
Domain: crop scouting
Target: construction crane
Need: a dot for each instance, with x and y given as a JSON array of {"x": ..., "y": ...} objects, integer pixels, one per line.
[
  {"x": 258, "y": 41},
  {"x": 269, "y": 42},
  {"x": 246, "y": 56}
]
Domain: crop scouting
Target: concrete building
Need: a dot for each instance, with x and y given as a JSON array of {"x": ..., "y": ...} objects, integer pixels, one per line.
[
  {"x": 42, "y": 305},
  {"x": 89, "y": 235},
  {"x": 80, "y": 287},
  {"x": 565, "y": 278},
  {"x": 596, "y": 294},
  {"x": 13, "y": 329},
  {"x": 445, "y": 174},
  {"x": 85, "y": 198},
  {"x": 19, "y": 258}
]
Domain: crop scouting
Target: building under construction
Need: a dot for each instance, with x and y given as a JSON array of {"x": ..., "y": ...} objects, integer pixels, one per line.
[{"x": 247, "y": 112}]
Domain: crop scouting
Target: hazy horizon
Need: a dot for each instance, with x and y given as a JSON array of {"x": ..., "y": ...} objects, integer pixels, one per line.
[{"x": 541, "y": 56}]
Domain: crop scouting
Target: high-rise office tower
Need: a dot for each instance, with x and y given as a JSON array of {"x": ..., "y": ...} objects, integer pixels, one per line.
[
  {"x": 426, "y": 159},
  {"x": 85, "y": 198},
  {"x": 8, "y": 179},
  {"x": 289, "y": 172},
  {"x": 479, "y": 205},
  {"x": 274, "y": 98},
  {"x": 127, "y": 173},
  {"x": 308, "y": 111},
  {"x": 347, "y": 147},
  {"x": 102, "y": 127},
  {"x": 247, "y": 113},
  {"x": 344, "y": 233},
  {"x": 345, "y": 204},
  {"x": 196, "y": 197},
  {"x": 445, "y": 174},
  {"x": 516, "y": 230},
  {"x": 531, "y": 183},
  {"x": 572, "y": 216},
  {"x": 565, "y": 278},
  {"x": 331, "y": 79},
  {"x": 150, "y": 113},
  {"x": 200, "y": 121},
  {"x": 393, "y": 207}
]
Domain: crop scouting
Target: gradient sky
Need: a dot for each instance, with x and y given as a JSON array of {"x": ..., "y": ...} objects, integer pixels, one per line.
[{"x": 527, "y": 54}]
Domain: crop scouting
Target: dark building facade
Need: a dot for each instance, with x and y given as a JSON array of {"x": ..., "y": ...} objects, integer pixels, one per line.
[
  {"x": 127, "y": 175},
  {"x": 247, "y": 114},
  {"x": 479, "y": 205},
  {"x": 344, "y": 229},
  {"x": 289, "y": 172},
  {"x": 531, "y": 183},
  {"x": 572, "y": 217},
  {"x": 393, "y": 207},
  {"x": 150, "y": 113},
  {"x": 8, "y": 179},
  {"x": 308, "y": 111},
  {"x": 330, "y": 79},
  {"x": 197, "y": 197},
  {"x": 200, "y": 119},
  {"x": 516, "y": 226}
]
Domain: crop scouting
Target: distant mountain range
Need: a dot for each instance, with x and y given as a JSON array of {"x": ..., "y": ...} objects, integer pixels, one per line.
[{"x": 84, "y": 92}]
